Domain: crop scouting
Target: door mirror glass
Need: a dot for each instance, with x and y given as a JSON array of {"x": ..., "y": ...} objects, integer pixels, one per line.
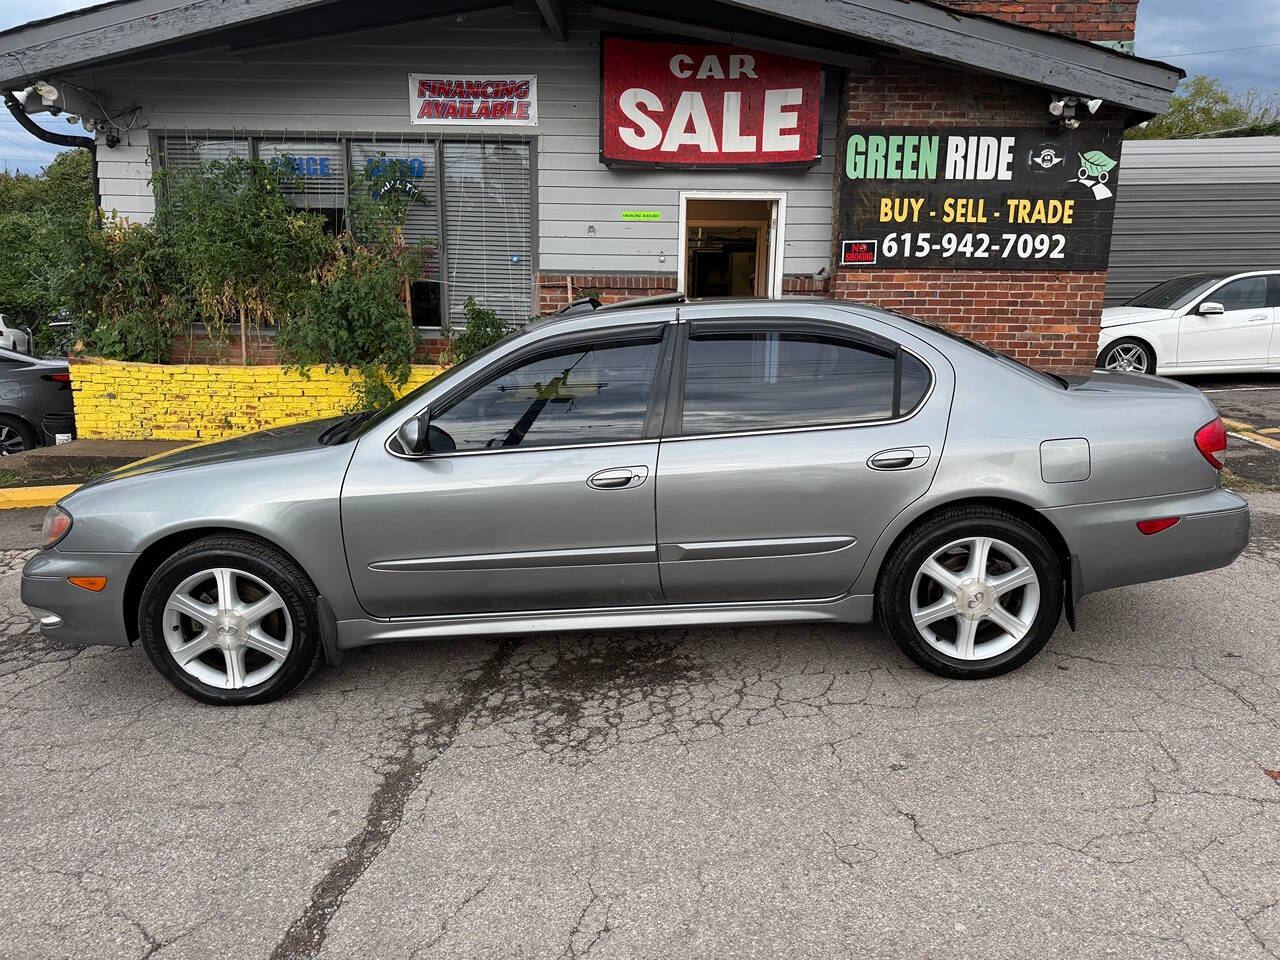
[
  {"x": 1210, "y": 308},
  {"x": 413, "y": 435}
]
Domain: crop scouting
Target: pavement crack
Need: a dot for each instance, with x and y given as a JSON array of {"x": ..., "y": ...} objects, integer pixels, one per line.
[{"x": 430, "y": 730}]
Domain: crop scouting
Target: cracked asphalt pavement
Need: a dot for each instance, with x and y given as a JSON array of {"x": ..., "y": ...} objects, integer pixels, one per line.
[{"x": 766, "y": 792}]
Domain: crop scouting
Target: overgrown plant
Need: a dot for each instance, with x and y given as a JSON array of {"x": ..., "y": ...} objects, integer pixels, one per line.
[
  {"x": 484, "y": 328},
  {"x": 248, "y": 255}
]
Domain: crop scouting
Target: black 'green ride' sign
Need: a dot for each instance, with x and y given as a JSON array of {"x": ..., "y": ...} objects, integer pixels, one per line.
[{"x": 975, "y": 198}]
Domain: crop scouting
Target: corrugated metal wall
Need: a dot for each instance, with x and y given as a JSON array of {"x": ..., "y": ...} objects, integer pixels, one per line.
[
  {"x": 358, "y": 85},
  {"x": 1185, "y": 206}
]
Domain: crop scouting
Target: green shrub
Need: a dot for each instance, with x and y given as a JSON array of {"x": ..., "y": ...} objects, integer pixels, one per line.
[
  {"x": 484, "y": 328},
  {"x": 353, "y": 317}
]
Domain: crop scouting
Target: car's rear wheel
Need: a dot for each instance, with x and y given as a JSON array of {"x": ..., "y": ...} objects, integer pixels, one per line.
[
  {"x": 15, "y": 436},
  {"x": 1128, "y": 355},
  {"x": 973, "y": 592},
  {"x": 230, "y": 620}
]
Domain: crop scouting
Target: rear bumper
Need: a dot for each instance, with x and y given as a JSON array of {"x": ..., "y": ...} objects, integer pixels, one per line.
[
  {"x": 79, "y": 617},
  {"x": 1112, "y": 552}
]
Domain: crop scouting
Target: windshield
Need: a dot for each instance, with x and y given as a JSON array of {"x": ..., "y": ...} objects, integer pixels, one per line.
[
  {"x": 1053, "y": 378},
  {"x": 1176, "y": 293}
]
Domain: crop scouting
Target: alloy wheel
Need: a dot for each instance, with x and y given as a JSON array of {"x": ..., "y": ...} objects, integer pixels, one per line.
[
  {"x": 1128, "y": 357},
  {"x": 11, "y": 441},
  {"x": 227, "y": 628},
  {"x": 975, "y": 598}
]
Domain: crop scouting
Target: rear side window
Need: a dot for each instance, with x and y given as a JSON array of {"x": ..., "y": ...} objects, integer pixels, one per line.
[
  {"x": 1247, "y": 293},
  {"x": 1273, "y": 290},
  {"x": 766, "y": 380}
]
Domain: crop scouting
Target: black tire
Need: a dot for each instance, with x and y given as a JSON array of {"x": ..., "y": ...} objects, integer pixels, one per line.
[
  {"x": 259, "y": 560},
  {"x": 1149, "y": 357},
  {"x": 893, "y": 595},
  {"x": 24, "y": 432}
]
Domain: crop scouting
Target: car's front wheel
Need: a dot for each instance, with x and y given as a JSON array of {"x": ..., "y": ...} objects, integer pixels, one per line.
[
  {"x": 973, "y": 592},
  {"x": 1128, "y": 355},
  {"x": 230, "y": 620}
]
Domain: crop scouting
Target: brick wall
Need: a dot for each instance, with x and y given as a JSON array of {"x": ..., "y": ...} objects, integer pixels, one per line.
[
  {"x": 1086, "y": 19},
  {"x": 150, "y": 401},
  {"x": 197, "y": 346},
  {"x": 1050, "y": 318},
  {"x": 553, "y": 290}
]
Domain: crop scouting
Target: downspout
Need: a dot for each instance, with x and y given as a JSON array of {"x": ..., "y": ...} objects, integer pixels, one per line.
[{"x": 57, "y": 139}]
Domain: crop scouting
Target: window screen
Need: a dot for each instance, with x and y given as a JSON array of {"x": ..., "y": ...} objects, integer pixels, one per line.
[
  {"x": 1248, "y": 293},
  {"x": 488, "y": 227},
  {"x": 578, "y": 395},
  {"x": 756, "y": 381}
]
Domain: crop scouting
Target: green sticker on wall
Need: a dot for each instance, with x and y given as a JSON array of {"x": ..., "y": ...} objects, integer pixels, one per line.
[{"x": 641, "y": 214}]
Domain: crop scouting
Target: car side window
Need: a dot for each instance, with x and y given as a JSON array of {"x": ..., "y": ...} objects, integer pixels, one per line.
[
  {"x": 1273, "y": 290},
  {"x": 579, "y": 394},
  {"x": 1247, "y": 293},
  {"x": 771, "y": 379}
]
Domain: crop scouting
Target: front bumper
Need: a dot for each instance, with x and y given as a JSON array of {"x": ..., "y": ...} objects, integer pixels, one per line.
[
  {"x": 82, "y": 617},
  {"x": 1110, "y": 551}
]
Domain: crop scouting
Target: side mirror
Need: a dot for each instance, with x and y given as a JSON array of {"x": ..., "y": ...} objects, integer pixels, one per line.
[
  {"x": 1209, "y": 308},
  {"x": 413, "y": 435}
]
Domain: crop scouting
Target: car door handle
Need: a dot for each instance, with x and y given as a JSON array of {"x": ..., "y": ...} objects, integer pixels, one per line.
[
  {"x": 618, "y": 478},
  {"x": 1261, "y": 316},
  {"x": 899, "y": 458}
]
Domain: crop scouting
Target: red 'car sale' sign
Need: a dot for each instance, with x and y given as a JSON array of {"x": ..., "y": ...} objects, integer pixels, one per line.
[{"x": 690, "y": 104}]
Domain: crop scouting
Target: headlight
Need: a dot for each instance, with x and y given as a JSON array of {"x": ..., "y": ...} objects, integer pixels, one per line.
[{"x": 57, "y": 522}]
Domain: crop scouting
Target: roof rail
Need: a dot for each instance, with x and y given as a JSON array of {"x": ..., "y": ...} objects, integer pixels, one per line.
[
  {"x": 657, "y": 300},
  {"x": 585, "y": 305}
]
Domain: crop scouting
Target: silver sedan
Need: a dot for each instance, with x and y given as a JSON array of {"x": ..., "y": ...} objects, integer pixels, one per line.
[{"x": 653, "y": 464}]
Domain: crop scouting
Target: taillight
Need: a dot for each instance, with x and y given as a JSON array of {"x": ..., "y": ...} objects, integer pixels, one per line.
[
  {"x": 1211, "y": 441},
  {"x": 1148, "y": 527},
  {"x": 58, "y": 377}
]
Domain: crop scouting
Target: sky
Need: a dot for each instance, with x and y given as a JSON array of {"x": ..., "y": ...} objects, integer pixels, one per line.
[{"x": 1235, "y": 40}]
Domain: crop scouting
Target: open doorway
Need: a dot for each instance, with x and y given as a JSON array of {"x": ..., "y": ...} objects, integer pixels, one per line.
[{"x": 729, "y": 245}]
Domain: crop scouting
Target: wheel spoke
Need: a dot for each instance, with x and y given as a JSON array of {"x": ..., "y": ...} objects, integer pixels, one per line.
[
  {"x": 946, "y": 607},
  {"x": 966, "y": 632},
  {"x": 235, "y": 667},
  {"x": 937, "y": 572},
  {"x": 189, "y": 651},
  {"x": 258, "y": 640},
  {"x": 979, "y": 552},
  {"x": 1007, "y": 622},
  {"x": 254, "y": 613},
  {"x": 201, "y": 613},
  {"x": 1023, "y": 576},
  {"x": 226, "y": 581}
]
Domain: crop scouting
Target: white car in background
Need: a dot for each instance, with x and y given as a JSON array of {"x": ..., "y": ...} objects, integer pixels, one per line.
[
  {"x": 13, "y": 338},
  {"x": 1201, "y": 323}
]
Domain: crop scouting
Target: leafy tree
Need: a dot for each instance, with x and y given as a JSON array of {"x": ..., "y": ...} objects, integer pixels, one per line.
[
  {"x": 246, "y": 252},
  {"x": 41, "y": 221},
  {"x": 1205, "y": 105},
  {"x": 484, "y": 328}
]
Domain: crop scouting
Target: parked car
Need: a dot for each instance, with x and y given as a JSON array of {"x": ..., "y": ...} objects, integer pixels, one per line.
[
  {"x": 654, "y": 464},
  {"x": 31, "y": 390},
  {"x": 13, "y": 337},
  {"x": 1200, "y": 323}
]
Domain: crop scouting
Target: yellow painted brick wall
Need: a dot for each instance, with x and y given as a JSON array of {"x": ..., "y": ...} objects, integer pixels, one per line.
[{"x": 149, "y": 401}]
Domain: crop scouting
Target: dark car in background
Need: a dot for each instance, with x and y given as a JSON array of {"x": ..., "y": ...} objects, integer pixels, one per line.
[{"x": 35, "y": 401}]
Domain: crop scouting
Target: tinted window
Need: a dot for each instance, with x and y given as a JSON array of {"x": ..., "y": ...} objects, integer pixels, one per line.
[
  {"x": 1174, "y": 293},
  {"x": 1273, "y": 290},
  {"x": 915, "y": 382},
  {"x": 1250, "y": 293},
  {"x": 578, "y": 395},
  {"x": 754, "y": 381}
]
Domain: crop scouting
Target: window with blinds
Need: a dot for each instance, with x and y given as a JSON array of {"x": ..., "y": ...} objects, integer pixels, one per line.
[
  {"x": 318, "y": 171},
  {"x": 473, "y": 198},
  {"x": 488, "y": 210}
]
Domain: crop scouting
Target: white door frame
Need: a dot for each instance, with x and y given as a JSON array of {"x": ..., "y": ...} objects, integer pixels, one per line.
[{"x": 777, "y": 230}]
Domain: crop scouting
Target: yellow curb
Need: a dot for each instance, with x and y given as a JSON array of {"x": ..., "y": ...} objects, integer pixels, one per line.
[
  {"x": 1268, "y": 431},
  {"x": 1237, "y": 425},
  {"x": 14, "y": 498}
]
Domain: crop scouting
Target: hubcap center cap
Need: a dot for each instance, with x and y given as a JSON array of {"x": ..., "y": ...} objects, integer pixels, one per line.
[
  {"x": 229, "y": 631},
  {"x": 975, "y": 599}
]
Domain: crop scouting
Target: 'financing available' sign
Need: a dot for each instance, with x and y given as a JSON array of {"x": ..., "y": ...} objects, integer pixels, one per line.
[{"x": 508, "y": 99}]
